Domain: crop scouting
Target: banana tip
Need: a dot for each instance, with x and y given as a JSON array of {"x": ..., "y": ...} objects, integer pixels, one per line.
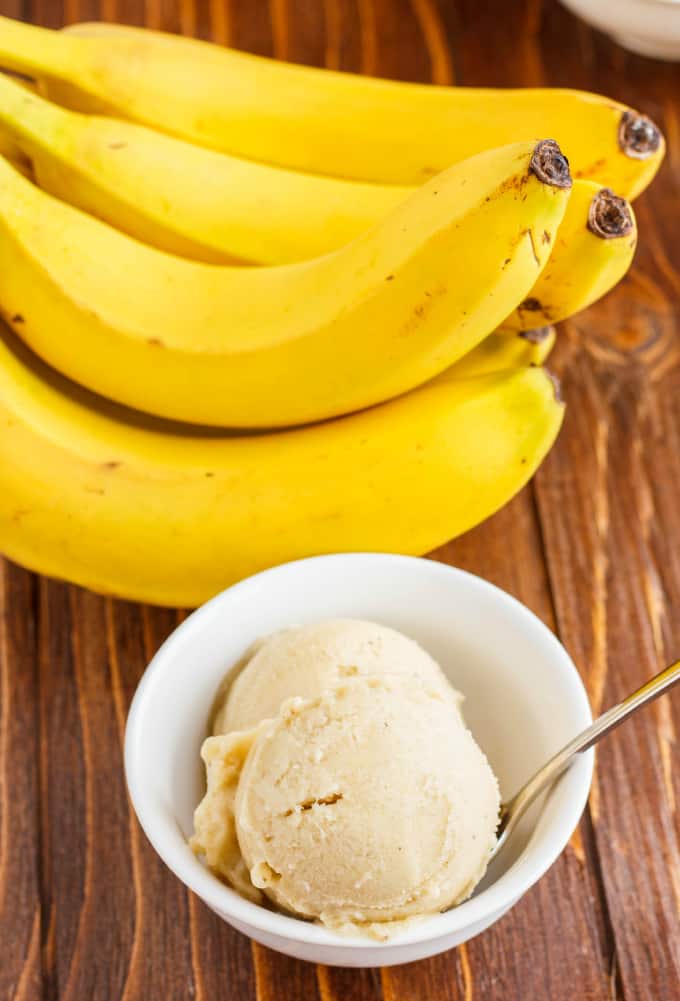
[
  {"x": 550, "y": 165},
  {"x": 556, "y": 384},
  {"x": 639, "y": 137},
  {"x": 610, "y": 216},
  {"x": 537, "y": 334}
]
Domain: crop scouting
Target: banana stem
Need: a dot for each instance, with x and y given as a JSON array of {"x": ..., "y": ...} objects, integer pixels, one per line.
[{"x": 34, "y": 51}]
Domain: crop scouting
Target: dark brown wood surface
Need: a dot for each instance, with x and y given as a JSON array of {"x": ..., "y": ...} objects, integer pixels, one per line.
[{"x": 87, "y": 911}]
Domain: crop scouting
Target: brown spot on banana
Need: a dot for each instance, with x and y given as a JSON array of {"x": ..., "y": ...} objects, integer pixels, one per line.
[
  {"x": 594, "y": 168},
  {"x": 530, "y": 234}
]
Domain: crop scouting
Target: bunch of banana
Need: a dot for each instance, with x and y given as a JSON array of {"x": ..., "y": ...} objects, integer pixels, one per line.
[{"x": 139, "y": 185}]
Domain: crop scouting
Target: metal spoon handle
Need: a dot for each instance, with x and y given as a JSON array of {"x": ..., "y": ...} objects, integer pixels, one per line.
[{"x": 514, "y": 808}]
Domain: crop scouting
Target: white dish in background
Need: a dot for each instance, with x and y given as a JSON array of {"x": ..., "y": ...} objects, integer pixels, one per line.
[
  {"x": 648, "y": 27},
  {"x": 524, "y": 699}
]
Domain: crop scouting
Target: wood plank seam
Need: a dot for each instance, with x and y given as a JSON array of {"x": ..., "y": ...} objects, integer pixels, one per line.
[
  {"x": 86, "y": 900},
  {"x": 48, "y": 946},
  {"x": 133, "y": 826}
]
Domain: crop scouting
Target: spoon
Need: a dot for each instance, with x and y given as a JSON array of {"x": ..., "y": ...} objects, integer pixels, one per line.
[{"x": 513, "y": 809}]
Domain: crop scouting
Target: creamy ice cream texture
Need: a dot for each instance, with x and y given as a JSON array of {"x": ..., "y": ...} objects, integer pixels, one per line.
[
  {"x": 362, "y": 805},
  {"x": 309, "y": 660}
]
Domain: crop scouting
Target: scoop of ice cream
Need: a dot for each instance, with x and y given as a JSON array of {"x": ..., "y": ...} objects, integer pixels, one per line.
[
  {"x": 365, "y": 806},
  {"x": 214, "y": 819},
  {"x": 308, "y": 660}
]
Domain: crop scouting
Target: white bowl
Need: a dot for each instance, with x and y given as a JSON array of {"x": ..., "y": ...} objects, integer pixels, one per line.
[
  {"x": 649, "y": 27},
  {"x": 524, "y": 699}
]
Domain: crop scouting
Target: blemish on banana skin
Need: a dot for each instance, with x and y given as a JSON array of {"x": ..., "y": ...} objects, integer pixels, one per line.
[
  {"x": 597, "y": 167},
  {"x": 421, "y": 309},
  {"x": 532, "y": 241},
  {"x": 516, "y": 182},
  {"x": 518, "y": 239}
]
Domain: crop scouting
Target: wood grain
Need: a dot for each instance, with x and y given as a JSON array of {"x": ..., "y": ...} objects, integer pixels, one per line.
[
  {"x": 21, "y": 915},
  {"x": 88, "y": 911}
]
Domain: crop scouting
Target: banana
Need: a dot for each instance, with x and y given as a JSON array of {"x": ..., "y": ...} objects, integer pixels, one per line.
[
  {"x": 163, "y": 514},
  {"x": 249, "y": 347},
  {"x": 320, "y": 121},
  {"x": 182, "y": 198},
  {"x": 595, "y": 247}
]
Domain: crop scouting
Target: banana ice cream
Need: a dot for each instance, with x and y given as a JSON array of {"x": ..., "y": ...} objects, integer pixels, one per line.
[
  {"x": 362, "y": 806},
  {"x": 308, "y": 660}
]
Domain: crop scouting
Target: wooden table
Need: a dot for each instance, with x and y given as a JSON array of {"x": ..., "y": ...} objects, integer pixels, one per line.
[{"x": 88, "y": 912}]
